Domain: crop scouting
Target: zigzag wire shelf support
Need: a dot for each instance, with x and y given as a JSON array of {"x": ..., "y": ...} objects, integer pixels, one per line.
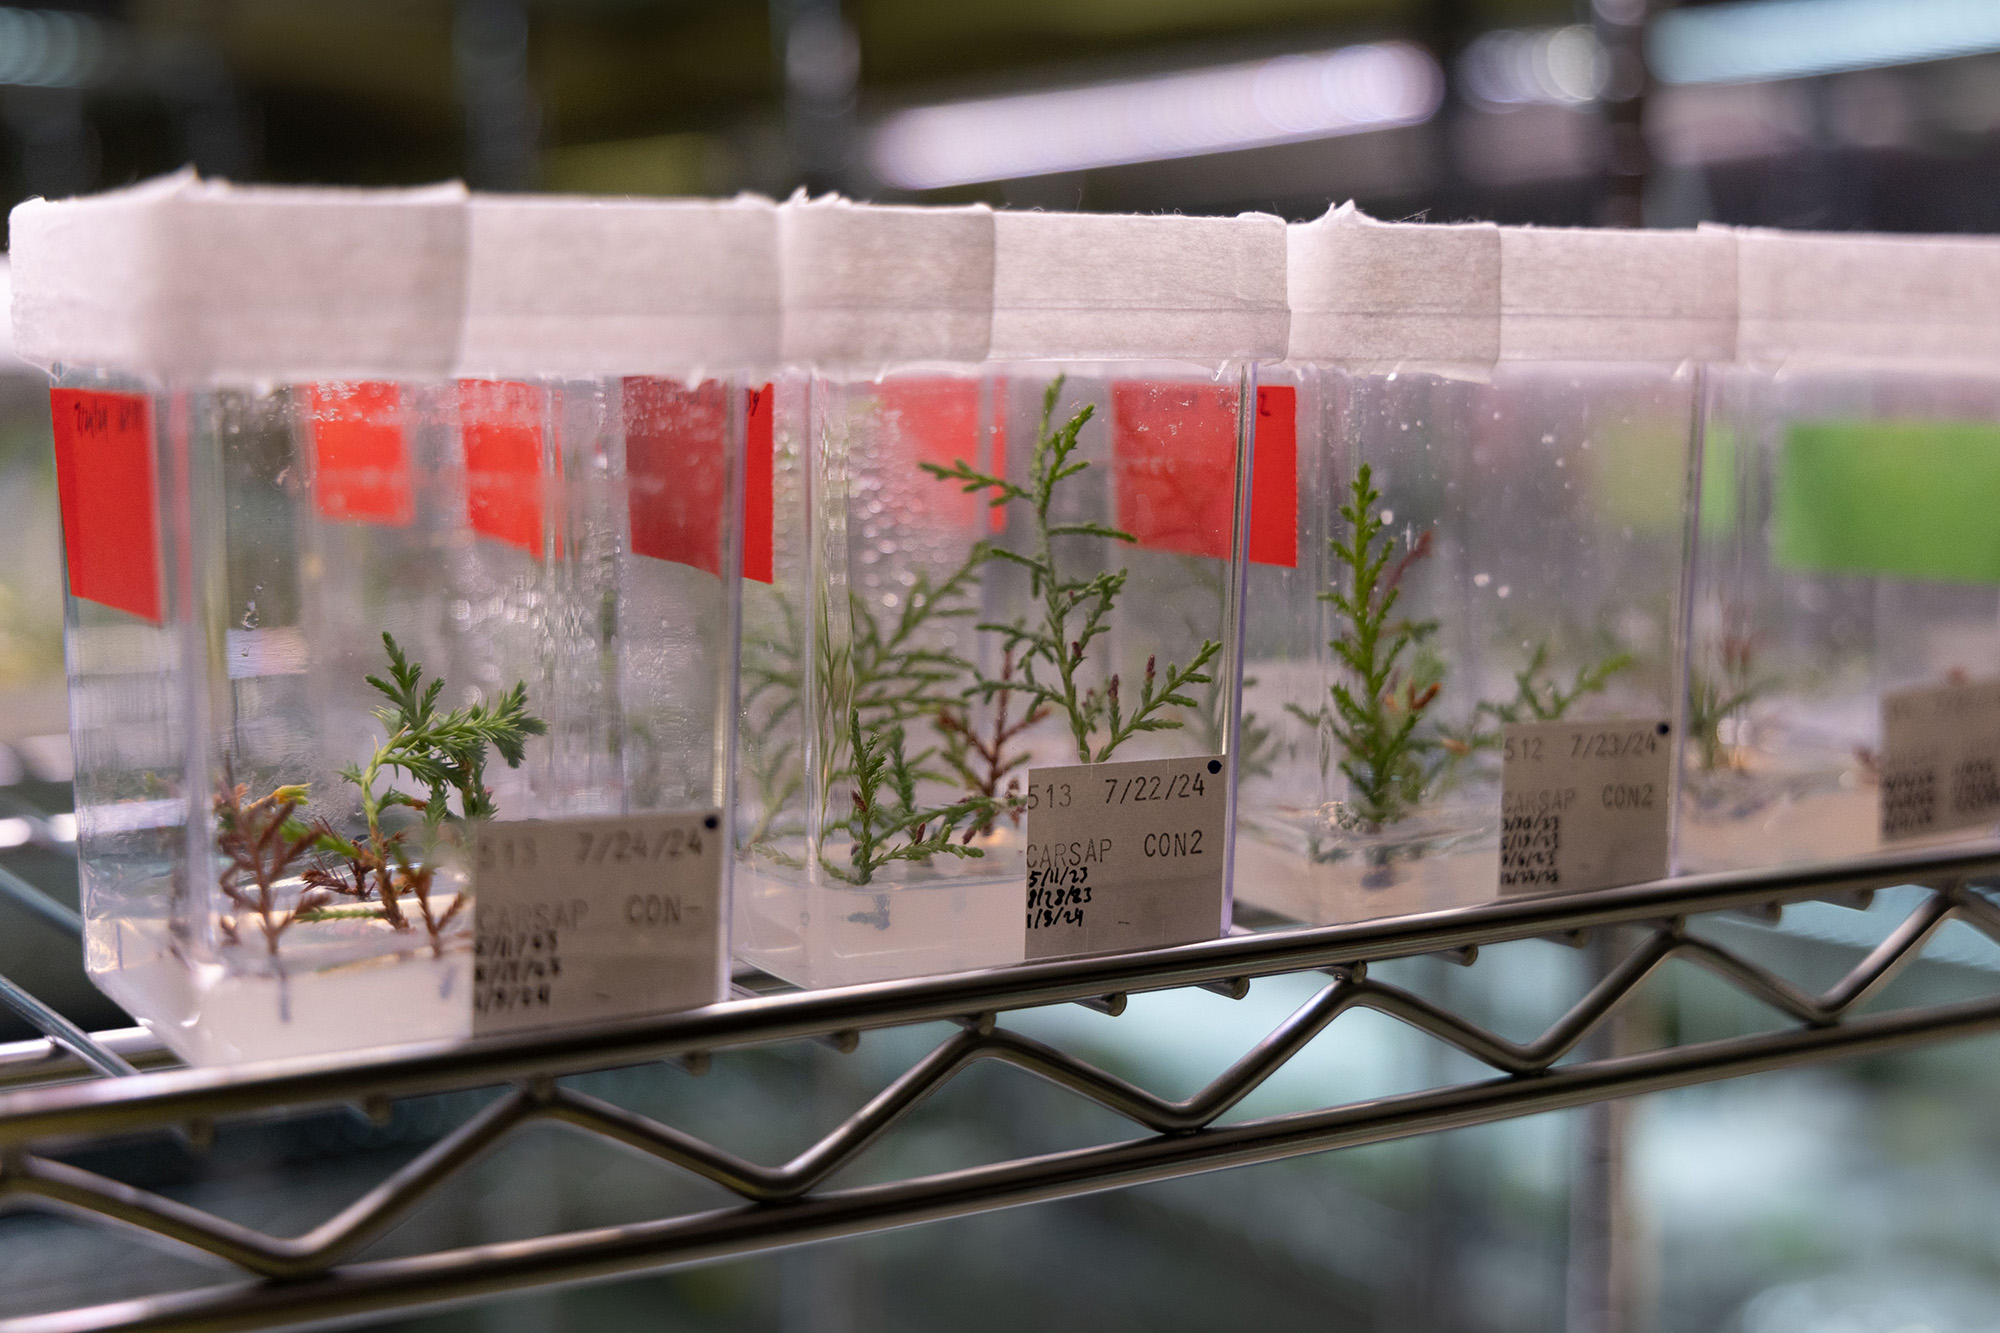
[{"x": 313, "y": 1278}]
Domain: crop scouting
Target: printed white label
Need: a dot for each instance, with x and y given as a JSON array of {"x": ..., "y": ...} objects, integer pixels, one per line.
[
  {"x": 1940, "y": 763},
  {"x": 1583, "y": 805},
  {"x": 583, "y": 920},
  {"x": 1125, "y": 856}
]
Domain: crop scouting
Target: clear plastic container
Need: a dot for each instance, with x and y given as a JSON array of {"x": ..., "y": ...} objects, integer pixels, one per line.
[
  {"x": 903, "y": 692},
  {"x": 337, "y": 606},
  {"x": 1846, "y": 562},
  {"x": 1487, "y": 527}
]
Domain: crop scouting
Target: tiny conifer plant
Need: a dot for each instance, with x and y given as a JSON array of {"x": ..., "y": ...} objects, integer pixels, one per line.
[
  {"x": 1538, "y": 697},
  {"x": 1714, "y": 699},
  {"x": 1050, "y": 653},
  {"x": 1394, "y": 755},
  {"x": 887, "y": 824},
  {"x": 444, "y": 752},
  {"x": 263, "y": 843},
  {"x": 1375, "y": 716}
]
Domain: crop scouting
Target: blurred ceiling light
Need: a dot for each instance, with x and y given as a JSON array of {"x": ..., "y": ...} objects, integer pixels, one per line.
[
  {"x": 1550, "y": 67},
  {"x": 49, "y": 49},
  {"x": 1789, "y": 39},
  {"x": 1283, "y": 100}
]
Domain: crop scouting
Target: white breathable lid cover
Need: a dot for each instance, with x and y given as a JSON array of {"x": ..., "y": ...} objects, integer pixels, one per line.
[
  {"x": 1584, "y": 294},
  {"x": 866, "y": 285},
  {"x": 181, "y": 278},
  {"x": 1393, "y": 293},
  {"x": 1085, "y": 286},
  {"x": 1916, "y": 301},
  {"x": 589, "y": 287}
]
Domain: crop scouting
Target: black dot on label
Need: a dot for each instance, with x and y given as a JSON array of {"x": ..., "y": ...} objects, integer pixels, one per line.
[
  {"x": 1663, "y": 728},
  {"x": 710, "y": 822},
  {"x": 1215, "y": 765}
]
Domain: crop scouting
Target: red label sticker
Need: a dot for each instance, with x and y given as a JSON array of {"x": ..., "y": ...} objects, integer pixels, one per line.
[
  {"x": 361, "y": 466},
  {"x": 1274, "y": 478},
  {"x": 760, "y": 442},
  {"x": 501, "y": 424},
  {"x": 996, "y": 520},
  {"x": 931, "y": 420},
  {"x": 677, "y": 469},
  {"x": 1173, "y": 449},
  {"x": 105, "y": 485}
]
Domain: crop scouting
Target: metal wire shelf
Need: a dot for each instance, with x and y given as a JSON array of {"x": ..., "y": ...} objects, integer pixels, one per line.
[{"x": 54, "y": 1104}]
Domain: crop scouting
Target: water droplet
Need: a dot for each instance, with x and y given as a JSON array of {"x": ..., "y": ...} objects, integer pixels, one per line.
[
  {"x": 1548, "y": 439},
  {"x": 1505, "y": 589},
  {"x": 1388, "y": 516},
  {"x": 1481, "y": 580}
]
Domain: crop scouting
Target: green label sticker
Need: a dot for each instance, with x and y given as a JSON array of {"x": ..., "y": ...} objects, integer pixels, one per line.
[{"x": 1906, "y": 499}]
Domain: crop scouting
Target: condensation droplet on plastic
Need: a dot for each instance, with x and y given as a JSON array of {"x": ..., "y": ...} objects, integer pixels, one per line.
[
  {"x": 1548, "y": 439},
  {"x": 1481, "y": 580},
  {"x": 1388, "y": 517},
  {"x": 1505, "y": 589}
]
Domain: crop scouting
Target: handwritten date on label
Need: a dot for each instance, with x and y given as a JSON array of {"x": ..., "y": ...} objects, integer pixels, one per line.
[
  {"x": 1125, "y": 856},
  {"x": 1583, "y": 805},
  {"x": 588, "y": 919},
  {"x": 1940, "y": 761}
]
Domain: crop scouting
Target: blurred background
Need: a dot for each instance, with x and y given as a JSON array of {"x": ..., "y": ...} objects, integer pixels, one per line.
[
  {"x": 1827, "y": 113},
  {"x": 1845, "y": 1199}
]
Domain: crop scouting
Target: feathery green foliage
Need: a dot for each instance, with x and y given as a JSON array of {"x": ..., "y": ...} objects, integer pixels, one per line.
[
  {"x": 1074, "y": 611},
  {"x": 1374, "y": 719},
  {"x": 445, "y": 752},
  {"x": 885, "y": 808},
  {"x": 1537, "y": 698}
]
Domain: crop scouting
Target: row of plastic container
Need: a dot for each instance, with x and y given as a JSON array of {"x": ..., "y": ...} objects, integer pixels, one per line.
[{"x": 932, "y": 589}]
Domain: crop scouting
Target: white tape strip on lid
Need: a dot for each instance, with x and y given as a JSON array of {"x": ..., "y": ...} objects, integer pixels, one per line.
[
  {"x": 181, "y": 278},
  {"x": 1577, "y": 294},
  {"x": 1914, "y": 301},
  {"x": 868, "y": 285},
  {"x": 1113, "y": 287},
  {"x": 591, "y": 287},
  {"x": 1374, "y": 293}
]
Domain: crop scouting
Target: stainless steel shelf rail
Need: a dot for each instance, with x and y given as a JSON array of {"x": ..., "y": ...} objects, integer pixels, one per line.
[{"x": 313, "y": 1279}]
